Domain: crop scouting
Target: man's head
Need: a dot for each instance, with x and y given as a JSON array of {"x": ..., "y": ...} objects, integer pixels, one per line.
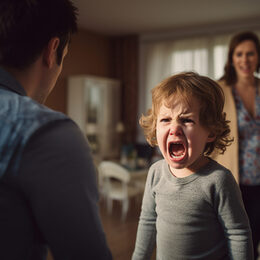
[
  {"x": 184, "y": 87},
  {"x": 27, "y": 26}
]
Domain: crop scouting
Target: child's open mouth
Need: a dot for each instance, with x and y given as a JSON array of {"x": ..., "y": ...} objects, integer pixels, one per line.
[{"x": 176, "y": 150}]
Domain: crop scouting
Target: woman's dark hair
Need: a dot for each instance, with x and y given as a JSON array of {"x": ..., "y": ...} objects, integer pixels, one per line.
[
  {"x": 26, "y": 26},
  {"x": 230, "y": 76}
]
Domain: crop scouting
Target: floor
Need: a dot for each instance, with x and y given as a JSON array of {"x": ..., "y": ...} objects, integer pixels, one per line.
[{"x": 120, "y": 234}]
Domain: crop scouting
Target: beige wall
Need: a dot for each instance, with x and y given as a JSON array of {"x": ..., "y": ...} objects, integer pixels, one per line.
[{"x": 89, "y": 53}]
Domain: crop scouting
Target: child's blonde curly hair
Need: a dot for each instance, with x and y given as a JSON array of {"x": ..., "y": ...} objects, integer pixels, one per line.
[{"x": 186, "y": 86}]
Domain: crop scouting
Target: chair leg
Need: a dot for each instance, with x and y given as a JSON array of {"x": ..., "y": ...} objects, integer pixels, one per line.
[
  {"x": 109, "y": 205},
  {"x": 125, "y": 207}
]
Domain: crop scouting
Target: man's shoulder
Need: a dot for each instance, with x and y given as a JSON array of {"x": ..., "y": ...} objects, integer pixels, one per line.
[
  {"x": 21, "y": 118},
  {"x": 18, "y": 108}
]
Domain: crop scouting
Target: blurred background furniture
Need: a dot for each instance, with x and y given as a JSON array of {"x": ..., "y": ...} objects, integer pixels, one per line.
[
  {"x": 120, "y": 183},
  {"x": 94, "y": 104}
]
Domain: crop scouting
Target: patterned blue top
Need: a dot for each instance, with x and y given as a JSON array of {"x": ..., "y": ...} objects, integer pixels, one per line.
[{"x": 249, "y": 141}]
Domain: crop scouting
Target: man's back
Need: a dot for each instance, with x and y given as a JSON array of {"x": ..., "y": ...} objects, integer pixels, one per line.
[
  {"x": 48, "y": 189},
  {"x": 48, "y": 193}
]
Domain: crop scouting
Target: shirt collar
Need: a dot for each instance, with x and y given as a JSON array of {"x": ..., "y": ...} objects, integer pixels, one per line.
[{"x": 7, "y": 81}]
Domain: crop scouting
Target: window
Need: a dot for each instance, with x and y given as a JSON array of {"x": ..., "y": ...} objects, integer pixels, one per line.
[
  {"x": 160, "y": 59},
  {"x": 196, "y": 60}
]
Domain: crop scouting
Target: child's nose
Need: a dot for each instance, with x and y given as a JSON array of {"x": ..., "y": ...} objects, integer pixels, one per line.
[{"x": 176, "y": 130}]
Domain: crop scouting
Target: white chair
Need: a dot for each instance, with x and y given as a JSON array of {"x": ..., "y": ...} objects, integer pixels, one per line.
[{"x": 117, "y": 185}]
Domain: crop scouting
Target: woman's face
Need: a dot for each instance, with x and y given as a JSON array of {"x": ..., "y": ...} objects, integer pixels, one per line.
[{"x": 245, "y": 59}]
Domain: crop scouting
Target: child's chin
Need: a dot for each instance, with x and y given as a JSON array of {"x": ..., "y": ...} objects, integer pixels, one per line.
[{"x": 180, "y": 164}]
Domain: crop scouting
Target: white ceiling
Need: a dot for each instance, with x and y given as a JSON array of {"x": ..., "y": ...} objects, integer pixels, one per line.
[{"x": 120, "y": 17}]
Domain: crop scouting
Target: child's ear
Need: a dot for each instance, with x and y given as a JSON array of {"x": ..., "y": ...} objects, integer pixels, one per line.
[{"x": 211, "y": 137}]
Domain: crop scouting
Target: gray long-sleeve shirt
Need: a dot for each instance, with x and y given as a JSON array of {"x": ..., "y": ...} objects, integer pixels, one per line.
[{"x": 197, "y": 217}]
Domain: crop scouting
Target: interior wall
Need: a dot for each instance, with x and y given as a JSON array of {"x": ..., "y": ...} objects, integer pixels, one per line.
[
  {"x": 89, "y": 53},
  {"x": 126, "y": 51}
]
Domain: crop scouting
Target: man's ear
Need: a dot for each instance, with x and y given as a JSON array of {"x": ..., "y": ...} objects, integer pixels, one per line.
[{"x": 50, "y": 52}]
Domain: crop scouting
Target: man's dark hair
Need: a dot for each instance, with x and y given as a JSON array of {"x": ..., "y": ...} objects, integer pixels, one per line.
[{"x": 26, "y": 26}]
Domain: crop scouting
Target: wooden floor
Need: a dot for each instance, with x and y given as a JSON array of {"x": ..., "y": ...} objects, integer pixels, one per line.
[{"x": 120, "y": 234}]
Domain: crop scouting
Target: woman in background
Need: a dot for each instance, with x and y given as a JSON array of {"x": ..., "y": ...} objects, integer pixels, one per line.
[{"x": 242, "y": 106}]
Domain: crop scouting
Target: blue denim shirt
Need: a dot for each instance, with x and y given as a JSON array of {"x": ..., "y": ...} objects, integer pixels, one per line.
[{"x": 20, "y": 117}]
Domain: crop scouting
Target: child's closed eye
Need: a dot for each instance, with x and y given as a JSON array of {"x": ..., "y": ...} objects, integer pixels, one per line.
[
  {"x": 165, "y": 120},
  {"x": 186, "y": 120}
]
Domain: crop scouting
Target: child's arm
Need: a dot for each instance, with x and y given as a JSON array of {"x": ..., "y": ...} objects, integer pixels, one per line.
[
  {"x": 146, "y": 233},
  {"x": 234, "y": 219}
]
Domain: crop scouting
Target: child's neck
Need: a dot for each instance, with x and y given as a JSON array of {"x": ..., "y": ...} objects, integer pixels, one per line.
[{"x": 185, "y": 172}]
